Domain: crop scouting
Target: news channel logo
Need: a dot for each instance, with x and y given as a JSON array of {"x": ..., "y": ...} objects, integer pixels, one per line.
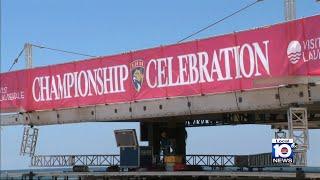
[{"x": 282, "y": 151}]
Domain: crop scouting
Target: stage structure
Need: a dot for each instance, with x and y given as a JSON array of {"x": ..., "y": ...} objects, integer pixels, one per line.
[{"x": 268, "y": 75}]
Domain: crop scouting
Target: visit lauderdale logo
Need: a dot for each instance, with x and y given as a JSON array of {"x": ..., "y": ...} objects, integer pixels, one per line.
[{"x": 294, "y": 51}]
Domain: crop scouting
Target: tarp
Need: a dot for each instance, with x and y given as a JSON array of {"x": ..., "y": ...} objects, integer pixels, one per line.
[{"x": 214, "y": 65}]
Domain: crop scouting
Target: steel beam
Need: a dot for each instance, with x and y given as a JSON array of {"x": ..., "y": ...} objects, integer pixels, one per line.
[{"x": 273, "y": 99}]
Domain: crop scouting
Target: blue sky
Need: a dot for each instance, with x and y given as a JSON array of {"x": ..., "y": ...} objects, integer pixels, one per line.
[{"x": 110, "y": 27}]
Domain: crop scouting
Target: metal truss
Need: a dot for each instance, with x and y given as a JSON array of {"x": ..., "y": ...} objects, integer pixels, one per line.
[
  {"x": 298, "y": 131},
  {"x": 29, "y": 141},
  {"x": 210, "y": 160},
  {"x": 74, "y": 160},
  {"x": 114, "y": 160}
]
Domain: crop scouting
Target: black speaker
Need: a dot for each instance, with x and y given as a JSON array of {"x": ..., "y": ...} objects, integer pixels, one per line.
[{"x": 144, "y": 131}]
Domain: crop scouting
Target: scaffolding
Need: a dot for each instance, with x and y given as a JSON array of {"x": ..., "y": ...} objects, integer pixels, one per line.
[
  {"x": 29, "y": 141},
  {"x": 298, "y": 131}
]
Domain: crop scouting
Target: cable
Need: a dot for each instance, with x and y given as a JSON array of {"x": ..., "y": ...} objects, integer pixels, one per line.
[
  {"x": 224, "y": 18},
  {"x": 16, "y": 59},
  {"x": 197, "y": 32},
  {"x": 52, "y": 49},
  {"x": 64, "y": 51}
]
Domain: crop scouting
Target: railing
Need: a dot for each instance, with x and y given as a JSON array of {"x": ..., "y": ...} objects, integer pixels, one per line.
[
  {"x": 210, "y": 160},
  {"x": 113, "y": 160},
  {"x": 74, "y": 160}
]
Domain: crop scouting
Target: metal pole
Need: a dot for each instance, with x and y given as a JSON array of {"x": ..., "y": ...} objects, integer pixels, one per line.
[
  {"x": 289, "y": 10},
  {"x": 28, "y": 55}
]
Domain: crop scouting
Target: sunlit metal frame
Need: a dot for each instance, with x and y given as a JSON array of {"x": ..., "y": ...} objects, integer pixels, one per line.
[
  {"x": 29, "y": 141},
  {"x": 298, "y": 131}
]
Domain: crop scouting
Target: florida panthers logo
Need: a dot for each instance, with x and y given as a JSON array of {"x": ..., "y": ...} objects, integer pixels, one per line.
[{"x": 137, "y": 74}]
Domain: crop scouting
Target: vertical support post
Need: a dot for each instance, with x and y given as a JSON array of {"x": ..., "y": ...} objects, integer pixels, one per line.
[
  {"x": 298, "y": 131},
  {"x": 28, "y": 55},
  {"x": 289, "y": 10},
  {"x": 154, "y": 140},
  {"x": 180, "y": 137},
  {"x": 29, "y": 141}
]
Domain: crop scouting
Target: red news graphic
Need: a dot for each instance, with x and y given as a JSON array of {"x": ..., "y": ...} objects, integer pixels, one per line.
[{"x": 213, "y": 65}]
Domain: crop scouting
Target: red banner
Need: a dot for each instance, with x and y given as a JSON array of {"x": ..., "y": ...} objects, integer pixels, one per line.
[{"x": 214, "y": 65}]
